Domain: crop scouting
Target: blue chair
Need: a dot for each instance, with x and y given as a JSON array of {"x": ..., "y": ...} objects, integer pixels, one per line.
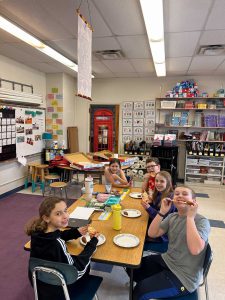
[
  {"x": 158, "y": 248},
  {"x": 52, "y": 274},
  {"x": 206, "y": 265}
]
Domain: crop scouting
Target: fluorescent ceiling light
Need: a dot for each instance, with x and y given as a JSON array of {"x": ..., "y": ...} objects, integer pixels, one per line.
[
  {"x": 153, "y": 16},
  {"x": 160, "y": 69},
  {"x": 31, "y": 40}
]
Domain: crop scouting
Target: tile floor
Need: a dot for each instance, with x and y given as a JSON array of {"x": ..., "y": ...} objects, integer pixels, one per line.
[{"x": 115, "y": 284}]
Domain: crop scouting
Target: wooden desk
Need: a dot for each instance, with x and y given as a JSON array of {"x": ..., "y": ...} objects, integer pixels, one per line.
[{"x": 109, "y": 252}]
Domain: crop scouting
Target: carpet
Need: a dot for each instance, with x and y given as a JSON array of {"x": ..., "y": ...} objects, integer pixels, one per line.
[{"x": 15, "y": 211}]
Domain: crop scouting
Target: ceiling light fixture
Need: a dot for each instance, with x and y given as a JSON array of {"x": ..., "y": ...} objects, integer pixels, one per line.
[
  {"x": 37, "y": 44},
  {"x": 153, "y": 16}
]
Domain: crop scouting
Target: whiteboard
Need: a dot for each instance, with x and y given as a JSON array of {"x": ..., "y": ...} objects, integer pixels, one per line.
[{"x": 30, "y": 124}]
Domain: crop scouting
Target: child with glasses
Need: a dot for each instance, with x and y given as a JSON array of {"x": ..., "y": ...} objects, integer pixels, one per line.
[{"x": 153, "y": 167}]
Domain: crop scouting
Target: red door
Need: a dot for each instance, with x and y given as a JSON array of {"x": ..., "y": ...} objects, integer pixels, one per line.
[{"x": 103, "y": 130}]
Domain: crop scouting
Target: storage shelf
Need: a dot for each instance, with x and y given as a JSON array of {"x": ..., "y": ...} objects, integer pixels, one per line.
[
  {"x": 192, "y": 98},
  {"x": 194, "y": 109},
  {"x": 204, "y": 156},
  {"x": 212, "y": 141},
  {"x": 186, "y": 126},
  {"x": 188, "y": 166},
  {"x": 207, "y": 174}
]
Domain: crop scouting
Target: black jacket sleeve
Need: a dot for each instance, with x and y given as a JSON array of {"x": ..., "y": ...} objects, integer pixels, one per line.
[
  {"x": 82, "y": 260},
  {"x": 70, "y": 234}
]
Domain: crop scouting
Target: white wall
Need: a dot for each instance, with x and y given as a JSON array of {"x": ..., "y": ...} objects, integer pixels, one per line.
[
  {"x": 12, "y": 173},
  {"x": 69, "y": 104}
]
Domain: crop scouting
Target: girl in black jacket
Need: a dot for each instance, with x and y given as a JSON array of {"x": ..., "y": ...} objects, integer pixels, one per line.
[{"x": 48, "y": 241}]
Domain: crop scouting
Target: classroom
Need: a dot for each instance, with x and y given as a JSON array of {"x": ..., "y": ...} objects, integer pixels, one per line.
[{"x": 118, "y": 108}]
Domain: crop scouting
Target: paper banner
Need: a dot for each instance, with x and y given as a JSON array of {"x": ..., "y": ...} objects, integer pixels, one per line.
[
  {"x": 84, "y": 59},
  {"x": 55, "y": 116},
  {"x": 55, "y": 137}
]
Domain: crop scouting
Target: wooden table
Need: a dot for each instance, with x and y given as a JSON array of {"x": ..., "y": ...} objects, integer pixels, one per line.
[{"x": 110, "y": 253}]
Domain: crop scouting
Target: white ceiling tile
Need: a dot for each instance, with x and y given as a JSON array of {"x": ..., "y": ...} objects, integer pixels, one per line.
[
  {"x": 106, "y": 43},
  {"x": 146, "y": 74},
  {"x": 221, "y": 68},
  {"x": 185, "y": 15},
  {"x": 205, "y": 63},
  {"x": 99, "y": 67},
  {"x": 143, "y": 65},
  {"x": 5, "y": 37},
  {"x": 175, "y": 73},
  {"x": 105, "y": 75},
  {"x": 179, "y": 64},
  {"x": 216, "y": 17},
  {"x": 123, "y": 17},
  {"x": 67, "y": 47},
  {"x": 130, "y": 49},
  {"x": 181, "y": 44},
  {"x": 32, "y": 16},
  {"x": 118, "y": 66},
  {"x": 12, "y": 51},
  {"x": 212, "y": 37},
  {"x": 126, "y": 75},
  {"x": 44, "y": 67}
]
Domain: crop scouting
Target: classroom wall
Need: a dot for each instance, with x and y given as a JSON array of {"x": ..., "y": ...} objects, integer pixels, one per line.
[
  {"x": 69, "y": 104},
  {"x": 117, "y": 90},
  {"x": 11, "y": 172}
]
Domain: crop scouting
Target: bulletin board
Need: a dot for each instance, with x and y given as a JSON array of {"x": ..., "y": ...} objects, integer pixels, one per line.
[{"x": 21, "y": 131}]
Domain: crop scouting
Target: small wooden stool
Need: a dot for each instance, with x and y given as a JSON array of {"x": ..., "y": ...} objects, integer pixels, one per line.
[
  {"x": 30, "y": 174},
  {"x": 49, "y": 179},
  {"x": 59, "y": 185},
  {"x": 39, "y": 175}
]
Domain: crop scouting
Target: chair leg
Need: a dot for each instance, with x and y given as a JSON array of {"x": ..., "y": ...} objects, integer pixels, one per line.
[{"x": 206, "y": 289}]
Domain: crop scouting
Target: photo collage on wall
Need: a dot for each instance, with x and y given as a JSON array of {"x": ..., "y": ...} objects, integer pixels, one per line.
[
  {"x": 7, "y": 133},
  {"x": 30, "y": 124},
  {"x": 54, "y": 115},
  {"x": 138, "y": 121}
]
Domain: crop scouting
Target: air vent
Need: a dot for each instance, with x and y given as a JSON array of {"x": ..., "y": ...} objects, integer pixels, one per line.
[
  {"x": 212, "y": 50},
  {"x": 109, "y": 54}
]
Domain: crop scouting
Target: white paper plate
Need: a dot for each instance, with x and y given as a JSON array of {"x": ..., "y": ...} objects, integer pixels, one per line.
[
  {"x": 101, "y": 239},
  {"x": 136, "y": 195},
  {"x": 131, "y": 213},
  {"x": 126, "y": 240}
]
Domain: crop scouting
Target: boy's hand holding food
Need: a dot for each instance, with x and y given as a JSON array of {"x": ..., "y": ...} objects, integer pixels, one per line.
[
  {"x": 192, "y": 210},
  {"x": 165, "y": 206}
]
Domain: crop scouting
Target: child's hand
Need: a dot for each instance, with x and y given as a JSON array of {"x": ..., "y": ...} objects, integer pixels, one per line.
[
  {"x": 147, "y": 176},
  {"x": 145, "y": 203},
  {"x": 165, "y": 205},
  {"x": 115, "y": 176},
  {"x": 93, "y": 232},
  {"x": 192, "y": 210},
  {"x": 83, "y": 230}
]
